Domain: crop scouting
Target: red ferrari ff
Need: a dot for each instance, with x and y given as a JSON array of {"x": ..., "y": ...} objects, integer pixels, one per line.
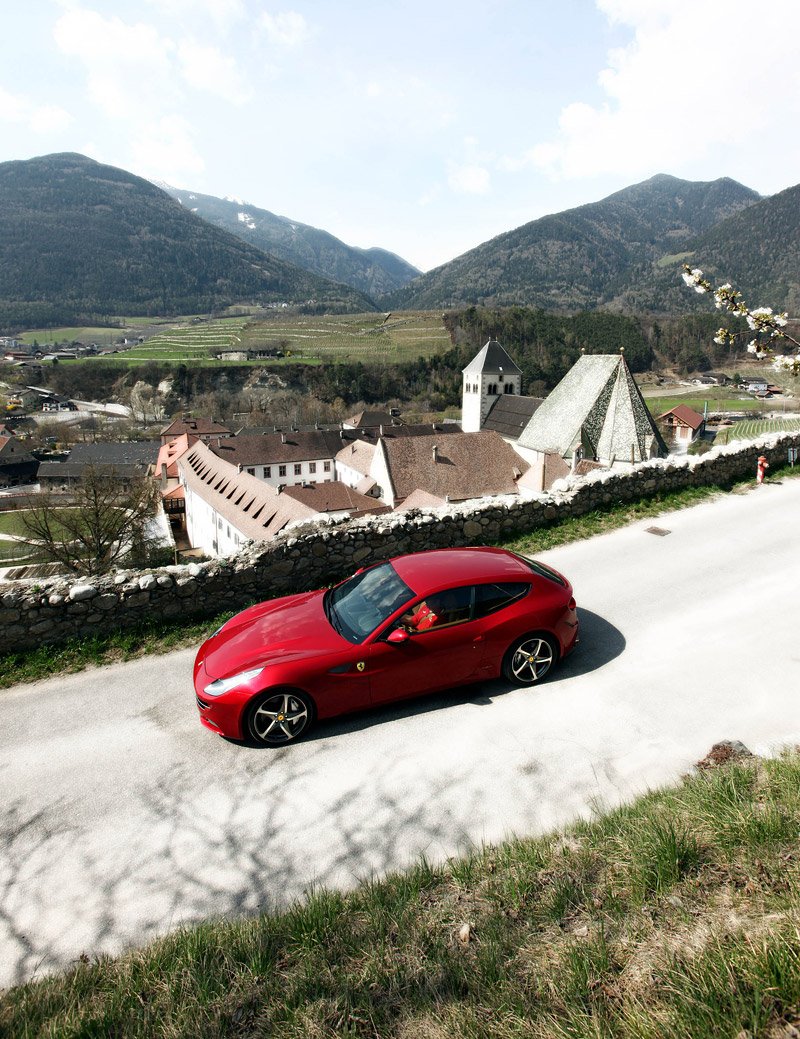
[{"x": 412, "y": 625}]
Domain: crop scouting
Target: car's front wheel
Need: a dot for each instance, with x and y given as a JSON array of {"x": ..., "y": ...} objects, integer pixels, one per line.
[
  {"x": 279, "y": 717},
  {"x": 529, "y": 659}
]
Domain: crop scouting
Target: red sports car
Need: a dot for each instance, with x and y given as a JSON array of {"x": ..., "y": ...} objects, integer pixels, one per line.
[{"x": 412, "y": 625}]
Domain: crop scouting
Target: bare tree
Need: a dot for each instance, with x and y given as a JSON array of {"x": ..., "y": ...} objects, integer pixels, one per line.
[{"x": 103, "y": 520}]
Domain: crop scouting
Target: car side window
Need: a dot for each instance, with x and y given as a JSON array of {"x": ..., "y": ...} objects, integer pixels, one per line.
[
  {"x": 442, "y": 609},
  {"x": 489, "y": 598}
]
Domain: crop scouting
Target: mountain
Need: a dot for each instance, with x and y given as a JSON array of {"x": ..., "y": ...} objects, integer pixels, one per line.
[
  {"x": 372, "y": 271},
  {"x": 584, "y": 257},
  {"x": 757, "y": 250},
  {"x": 81, "y": 240}
]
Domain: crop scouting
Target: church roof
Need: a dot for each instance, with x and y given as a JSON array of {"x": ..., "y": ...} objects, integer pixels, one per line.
[
  {"x": 510, "y": 414},
  {"x": 492, "y": 358},
  {"x": 598, "y": 404}
]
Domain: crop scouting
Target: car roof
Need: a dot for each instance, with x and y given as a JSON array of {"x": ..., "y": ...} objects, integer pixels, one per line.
[{"x": 446, "y": 567}]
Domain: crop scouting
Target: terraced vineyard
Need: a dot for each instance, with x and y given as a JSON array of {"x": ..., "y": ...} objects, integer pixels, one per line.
[
  {"x": 352, "y": 337},
  {"x": 195, "y": 341},
  {"x": 750, "y": 429}
]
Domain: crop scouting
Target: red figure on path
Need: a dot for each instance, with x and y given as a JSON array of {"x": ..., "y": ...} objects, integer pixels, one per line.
[{"x": 761, "y": 471}]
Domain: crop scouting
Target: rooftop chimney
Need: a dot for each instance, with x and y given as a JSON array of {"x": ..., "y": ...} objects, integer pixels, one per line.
[
  {"x": 435, "y": 453},
  {"x": 283, "y": 438}
]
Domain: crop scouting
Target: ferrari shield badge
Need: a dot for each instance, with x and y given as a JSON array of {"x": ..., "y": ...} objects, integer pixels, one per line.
[{"x": 360, "y": 665}]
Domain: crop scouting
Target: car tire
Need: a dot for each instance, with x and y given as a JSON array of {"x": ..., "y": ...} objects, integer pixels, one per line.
[
  {"x": 530, "y": 659},
  {"x": 279, "y": 716}
]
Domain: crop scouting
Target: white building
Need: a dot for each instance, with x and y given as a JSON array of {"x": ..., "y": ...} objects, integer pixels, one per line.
[{"x": 488, "y": 375}]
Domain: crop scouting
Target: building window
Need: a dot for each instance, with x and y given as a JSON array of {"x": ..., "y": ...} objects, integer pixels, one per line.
[
  {"x": 508, "y": 388},
  {"x": 281, "y": 470},
  {"x": 298, "y": 468},
  {"x": 326, "y": 466},
  {"x": 252, "y": 472},
  {"x": 267, "y": 471},
  {"x": 312, "y": 467}
]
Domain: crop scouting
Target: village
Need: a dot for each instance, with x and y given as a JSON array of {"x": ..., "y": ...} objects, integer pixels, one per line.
[{"x": 222, "y": 487}]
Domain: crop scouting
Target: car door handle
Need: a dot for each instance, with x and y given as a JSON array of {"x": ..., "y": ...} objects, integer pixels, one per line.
[{"x": 479, "y": 638}]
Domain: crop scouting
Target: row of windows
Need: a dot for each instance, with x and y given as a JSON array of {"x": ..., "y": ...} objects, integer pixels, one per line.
[
  {"x": 297, "y": 468},
  {"x": 491, "y": 389}
]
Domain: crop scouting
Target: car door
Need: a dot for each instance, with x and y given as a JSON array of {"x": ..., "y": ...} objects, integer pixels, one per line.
[{"x": 447, "y": 653}]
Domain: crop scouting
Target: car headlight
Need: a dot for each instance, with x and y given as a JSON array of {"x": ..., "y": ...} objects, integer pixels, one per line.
[{"x": 223, "y": 685}]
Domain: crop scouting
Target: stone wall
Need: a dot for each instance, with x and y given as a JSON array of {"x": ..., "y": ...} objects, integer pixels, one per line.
[{"x": 317, "y": 554}]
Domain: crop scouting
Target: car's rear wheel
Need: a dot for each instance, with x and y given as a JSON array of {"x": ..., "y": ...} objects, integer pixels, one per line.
[
  {"x": 529, "y": 659},
  {"x": 280, "y": 716}
]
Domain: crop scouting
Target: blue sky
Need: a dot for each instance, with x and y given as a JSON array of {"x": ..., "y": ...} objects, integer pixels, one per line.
[{"x": 422, "y": 127}]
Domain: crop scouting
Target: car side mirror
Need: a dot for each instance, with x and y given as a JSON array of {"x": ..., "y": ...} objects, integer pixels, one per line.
[{"x": 397, "y": 636}]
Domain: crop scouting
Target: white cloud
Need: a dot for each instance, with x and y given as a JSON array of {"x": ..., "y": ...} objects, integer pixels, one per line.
[
  {"x": 699, "y": 83},
  {"x": 165, "y": 150},
  {"x": 469, "y": 180},
  {"x": 224, "y": 13},
  {"x": 124, "y": 64},
  {"x": 207, "y": 68},
  {"x": 41, "y": 119},
  {"x": 288, "y": 29}
]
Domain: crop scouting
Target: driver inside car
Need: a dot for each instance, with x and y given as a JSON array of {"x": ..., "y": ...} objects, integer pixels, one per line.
[{"x": 420, "y": 618}]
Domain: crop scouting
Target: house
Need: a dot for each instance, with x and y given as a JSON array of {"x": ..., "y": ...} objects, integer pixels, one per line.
[
  {"x": 280, "y": 459},
  {"x": 510, "y": 414},
  {"x": 596, "y": 413},
  {"x": 172, "y": 493},
  {"x": 202, "y": 428},
  {"x": 123, "y": 462},
  {"x": 17, "y": 465},
  {"x": 462, "y": 466},
  {"x": 754, "y": 384},
  {"x": 227, "y": 507},
  {"x": 683, "y": 422}
]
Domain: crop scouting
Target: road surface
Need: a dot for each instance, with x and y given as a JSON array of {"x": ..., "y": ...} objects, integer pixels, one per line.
[{"x": 123, "y": 818}]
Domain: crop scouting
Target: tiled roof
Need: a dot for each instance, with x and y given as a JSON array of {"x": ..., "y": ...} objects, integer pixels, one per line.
[
  {"x": 274, "y": 448},
  {"x": 129, "y": 453},
  {"x": 467, "y": 465},
  {"x": 420, "y": 500},
  {"x": 685, "y": 415},
  {"x": 492, "y": 358},
  {"x": 510, "y": 414},
  {"x": 198, "y": 426},
  {"x": 254, "y": 508},
  {"x": 357, "y": 455},
  {"x": 599, "y": 405},
  {"x": 370, "y": 418},
  {"x": 172, "y": 451},
  {"x": 334, "y": 496}
]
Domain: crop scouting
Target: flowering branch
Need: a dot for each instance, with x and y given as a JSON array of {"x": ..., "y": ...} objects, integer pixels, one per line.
[{"x": 761, "y": 320}]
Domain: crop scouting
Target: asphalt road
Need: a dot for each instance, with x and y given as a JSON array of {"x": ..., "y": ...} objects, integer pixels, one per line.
[{"x": 123, "y": 818}]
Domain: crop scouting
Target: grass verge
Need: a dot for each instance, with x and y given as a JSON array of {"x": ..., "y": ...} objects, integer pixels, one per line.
[
  {"x": 163, "y": 637},
  {"x": 675, "y": 916}
]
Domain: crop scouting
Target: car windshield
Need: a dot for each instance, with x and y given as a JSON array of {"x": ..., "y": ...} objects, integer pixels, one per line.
[{"x": 357, "y": 607}]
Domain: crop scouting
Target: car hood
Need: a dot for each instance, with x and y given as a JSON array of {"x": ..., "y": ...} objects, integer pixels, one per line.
[{"x": 280, "y": 630}]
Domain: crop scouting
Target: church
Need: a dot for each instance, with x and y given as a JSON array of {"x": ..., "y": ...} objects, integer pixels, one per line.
[{"x": 595, "y": 418}]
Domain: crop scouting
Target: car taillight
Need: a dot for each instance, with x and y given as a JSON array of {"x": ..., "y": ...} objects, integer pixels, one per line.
[{"x": 572, "y": 604}]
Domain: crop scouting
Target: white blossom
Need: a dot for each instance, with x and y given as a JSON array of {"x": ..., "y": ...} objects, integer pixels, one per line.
[{"x": 752, "y": 347}]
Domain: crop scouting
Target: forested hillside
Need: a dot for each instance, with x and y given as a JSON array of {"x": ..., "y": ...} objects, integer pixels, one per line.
[
  {"x": 80, "y": 241},
  {"x": 372, "y": 271},
  {"x": 585, "y": 257}
]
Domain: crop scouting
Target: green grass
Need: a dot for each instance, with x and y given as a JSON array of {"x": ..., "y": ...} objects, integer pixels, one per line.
[
  {"x": 675, "y": 916},
  {"x": 77, "y": 655},
  {"x": 660, "y": 405}
]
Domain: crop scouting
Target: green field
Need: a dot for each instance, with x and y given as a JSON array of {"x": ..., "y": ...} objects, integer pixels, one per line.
[
  {"x": 751, "y": 429},
  {"x": 404, "y": 336},
  {"x": 660, "y": 405}
]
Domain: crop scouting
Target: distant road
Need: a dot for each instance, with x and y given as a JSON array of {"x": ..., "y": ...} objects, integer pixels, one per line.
[{"x": 122, "y": 817}]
